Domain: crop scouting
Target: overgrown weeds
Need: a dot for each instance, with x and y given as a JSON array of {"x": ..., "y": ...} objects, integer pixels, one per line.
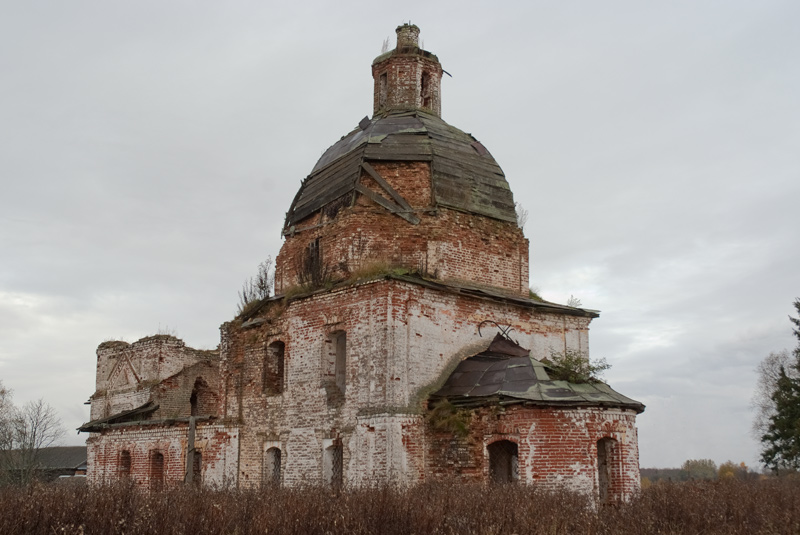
[
  {"x": 575, "y": 367},
  {"x": 446, "y": 417},
  {"x": 708, "y": 507},
  {"x": 256, "y": 288}
]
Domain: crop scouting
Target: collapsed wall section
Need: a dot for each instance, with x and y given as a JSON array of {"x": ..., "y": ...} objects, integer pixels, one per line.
[{"x": 127, "y": 375}]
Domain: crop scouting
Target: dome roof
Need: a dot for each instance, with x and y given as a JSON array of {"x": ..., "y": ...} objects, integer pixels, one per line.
[{"x": 464, "y": 175}]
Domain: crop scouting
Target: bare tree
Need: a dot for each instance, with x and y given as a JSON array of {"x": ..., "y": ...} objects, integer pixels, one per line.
[
  {"x": 573, "y": 301},
  {"x": 7, "y": 423},
  {"x": 23, "y": 434},
  {"x": 522, "y": 215}
]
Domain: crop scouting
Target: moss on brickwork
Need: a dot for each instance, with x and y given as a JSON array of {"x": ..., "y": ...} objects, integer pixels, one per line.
[{"x": 447, "y": 418}]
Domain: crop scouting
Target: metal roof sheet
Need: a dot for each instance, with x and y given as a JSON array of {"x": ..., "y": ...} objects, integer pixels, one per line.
[
  {"x": 506, "y": 370},
  {"x": 465, "y": 176}
]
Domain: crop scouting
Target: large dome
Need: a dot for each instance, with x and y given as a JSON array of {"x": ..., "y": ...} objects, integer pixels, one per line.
[
  {"x": 464, "y": 174},
  {"x": 405, "y": 190}
]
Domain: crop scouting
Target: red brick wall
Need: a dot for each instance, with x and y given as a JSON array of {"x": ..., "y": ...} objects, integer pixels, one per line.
[
  {"x": 217, "y": 443},
  {"x": 557, "y": 447},
  {"x": 446, "y": 244}
]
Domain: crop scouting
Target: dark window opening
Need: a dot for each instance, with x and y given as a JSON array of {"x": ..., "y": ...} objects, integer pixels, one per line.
[
  {"x": 202, "y": 401},
  {"x": 273, "y": 378},
  {"x": 313, "y": 271},
  {"x": 125, "y": 464},
  {"x": 193, "y": 403},
  {"x": 383, "y": 91},
  {"x": 334, "y": 367},
  {"x": 425, "y": 90},
  {"x": 272, "y": 468},
  {"x": 605, "y": 455},
  {"x": 503, "y": 461},
  {"x": 341, "y": 361},
  {"x": 156, "y": 470}
]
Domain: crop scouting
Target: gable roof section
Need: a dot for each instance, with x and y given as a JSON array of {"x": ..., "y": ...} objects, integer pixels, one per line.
[
  {"x": 465, "y": 175},
  {"x": 506, "y": 370},
  {"x": 133, "y": 415}
]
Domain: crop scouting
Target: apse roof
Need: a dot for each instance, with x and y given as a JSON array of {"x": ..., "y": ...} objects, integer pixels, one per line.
[
  {"x": 507, "y": 371},
  {"x": 465, "y": 176}
]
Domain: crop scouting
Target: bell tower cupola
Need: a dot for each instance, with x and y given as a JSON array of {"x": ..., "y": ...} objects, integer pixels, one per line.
[{"x": 408, "y": 77}]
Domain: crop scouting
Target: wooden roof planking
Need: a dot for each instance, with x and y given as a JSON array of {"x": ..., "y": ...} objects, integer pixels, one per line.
[{"x": 465, "y": 176}]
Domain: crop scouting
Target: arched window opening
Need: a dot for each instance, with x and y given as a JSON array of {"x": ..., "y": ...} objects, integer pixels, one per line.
[
  {"x": 272, "y": 377},
  {"x": 202, "y": 401},
  {"x": 503, "y": 461},
  {"x": 332, "y": 465},
  {"x": 271, "y": 476},
  {"x": 125, "y": 464},
  {"x": 606, "y": 448},
  {"x": 197, "y": 468},
  {"x": 156, "y": 470}
]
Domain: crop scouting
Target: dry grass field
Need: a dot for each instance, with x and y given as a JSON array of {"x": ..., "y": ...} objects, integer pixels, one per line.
[{"x": 709, "y": 507}]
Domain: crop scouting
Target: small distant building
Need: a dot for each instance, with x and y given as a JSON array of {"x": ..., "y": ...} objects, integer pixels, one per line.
[
  {"x": 372, "y": 364},
  {"x": 46, "y": 464},
  {"x": 62, "y": 461}
]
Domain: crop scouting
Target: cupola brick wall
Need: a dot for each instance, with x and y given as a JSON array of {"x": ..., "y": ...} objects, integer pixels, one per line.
[{"x": 447, "y": 244}]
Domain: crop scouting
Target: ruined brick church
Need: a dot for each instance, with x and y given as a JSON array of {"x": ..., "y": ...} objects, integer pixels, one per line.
[{"x": 402, "y": 343}]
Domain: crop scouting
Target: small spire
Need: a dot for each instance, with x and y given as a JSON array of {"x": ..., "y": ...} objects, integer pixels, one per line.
[{"x": 407, "y": 36}]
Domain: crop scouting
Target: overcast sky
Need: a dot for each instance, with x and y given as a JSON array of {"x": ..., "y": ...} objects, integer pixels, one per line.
[{"x": 149, "y": 151}]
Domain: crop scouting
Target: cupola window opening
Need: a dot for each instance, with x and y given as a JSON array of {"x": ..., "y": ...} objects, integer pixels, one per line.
[
  {"x": 383, "y": 90},
  {"x": 425, "y": 90}
]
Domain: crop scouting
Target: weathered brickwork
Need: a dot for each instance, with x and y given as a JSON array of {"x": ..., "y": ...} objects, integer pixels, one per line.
[
  {"x": 408, "y": 77},
  {"x": 557, "y": 447},
  {"x": 107, "y": 452},
  {"x": 129, "y": 374},
  {"x": 401, "y": 336},
  {"x": 398, "y": 264},
  {"x": 447, "y": 244}
]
